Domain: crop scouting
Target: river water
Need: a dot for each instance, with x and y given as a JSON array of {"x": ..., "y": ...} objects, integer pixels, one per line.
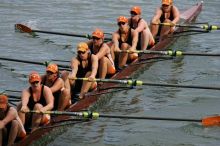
[{"x": 74, "y": 16}]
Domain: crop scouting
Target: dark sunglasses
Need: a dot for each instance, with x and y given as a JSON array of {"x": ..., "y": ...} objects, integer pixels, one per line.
[
  {"x": 81, "y": 52},
  {"x": 121, "y": 23},
  {"x": 36, "y": 82},
  {"x": 165, "y": 5},
  {"x": 49, "y": 73},
  {"x": 133, "y": 13},
  {"x": 95, "y": 38}
]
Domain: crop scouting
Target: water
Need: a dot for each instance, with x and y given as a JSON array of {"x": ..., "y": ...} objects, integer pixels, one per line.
[{"x": 73, "y": 16}]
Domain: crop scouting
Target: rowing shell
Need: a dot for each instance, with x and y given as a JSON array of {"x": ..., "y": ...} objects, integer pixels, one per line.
[{"x": 95, "y": 97}]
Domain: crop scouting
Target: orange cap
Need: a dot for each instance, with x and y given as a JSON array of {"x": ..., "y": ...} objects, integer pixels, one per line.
[
  {"x": 136, "y": 9},
  {"x": 166, "y": 2},
  {"x": 34, "y": 76},
  {"x": 122, "y": 19},
  {"x": 3, "y": 101},
  {"x": 98, "y": 33},
  {"x": 82, "y": 46},
  {"x": 52, "y": 68}
]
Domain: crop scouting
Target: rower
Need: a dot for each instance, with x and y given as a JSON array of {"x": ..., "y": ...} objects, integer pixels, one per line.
[
  {"x": 56, "y": 84},
  {"x": 36, "y": 97},
  {"x": 11, "y": 127},
  {"x": 83, "y": 65},
  {"x": 167, "y": 13},
  {"x": 125, "y": 38},
  {"x": 103, "y": 52},
  {"x": 145, "y": 38}
]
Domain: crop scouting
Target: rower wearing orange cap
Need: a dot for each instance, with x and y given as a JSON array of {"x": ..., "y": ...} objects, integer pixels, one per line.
[
  {"x": 103, "y": 52},
  {"x": 145, "y": 38},
  {"x": 36, "y": 97},
  {"x": 167, "y": 13},
  {"x": 125, "y": 38},
  {"x": 11, "y": 126},
  {"x": 83, "y": 65},
  {"x": 56, "y": 84}
]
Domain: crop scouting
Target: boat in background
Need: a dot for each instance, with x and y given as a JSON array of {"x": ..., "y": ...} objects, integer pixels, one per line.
[{"x": 92, "y": 99}]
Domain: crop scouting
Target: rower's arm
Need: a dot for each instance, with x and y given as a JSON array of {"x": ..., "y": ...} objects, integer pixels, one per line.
[
  {"x": 141, "y": 26},
  {"x": 25, "y": 97},
  {"x": 49, "y": 99},
  {"x": 102, "y": 52},
  {"x": 94, "y": 65},
  {"x": 11, "y": 115},
  {"x": 156, "y": 18},
  {"x": 134, "y": 40},
  {"x": 58, "y": 85},
  {"x": 115, "y": 38},
  {"x": 176, "y": 15},
  {"x": 74, "y": 67}
]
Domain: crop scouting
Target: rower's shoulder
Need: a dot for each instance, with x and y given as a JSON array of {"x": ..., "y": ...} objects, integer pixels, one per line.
[
  {"x": 26, "y": 90},
  {"x": 46, "y": 88}
]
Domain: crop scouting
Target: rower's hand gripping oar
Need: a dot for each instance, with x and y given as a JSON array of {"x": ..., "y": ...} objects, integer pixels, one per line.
[
  {"x": 139, "y": 83},
  {"x": 26, "y": 29},
  {"x": 204, "y": 27},
  {"x": 170, "y": 53},
  {"x": 207, "y": 121}
]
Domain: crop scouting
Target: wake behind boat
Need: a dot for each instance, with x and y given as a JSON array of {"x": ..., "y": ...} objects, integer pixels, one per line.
[{"x": 95, "y": 97}]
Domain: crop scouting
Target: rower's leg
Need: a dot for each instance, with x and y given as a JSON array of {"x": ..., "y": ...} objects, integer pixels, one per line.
[
  {"x": 13, "y": 132},
  {"x": 64, "y": 75},
  {"x": 36, "y": 119},
  {"x": 102, "y": 67},
  {"x": 112, "y": 47},
  {"x": 123, "y": 57},
  {"x": 86, "y": 86},
  {"x": 64, "y": 100},
  {"x": 21, "y": 114},
  {"x": 165, "y": 30},
  {"x": 145, "y": 38}
]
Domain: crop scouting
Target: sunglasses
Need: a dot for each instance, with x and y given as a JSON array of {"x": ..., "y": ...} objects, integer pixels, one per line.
[
  {"x": 35, "y": 82},
  {"x": 95, "y": 38},
  {"x": 49, "y": 73},
  {"x": 133, "y": 13},
  {"x": 81, "y": 52},
  {"x": 121, "y": 23},
  {"x": 164, "y": 5}
]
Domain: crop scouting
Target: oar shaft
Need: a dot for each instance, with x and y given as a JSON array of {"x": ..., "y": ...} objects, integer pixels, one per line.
[
  {"x": 205, "y": 26},
  {"x": 96, "y": 115},
  {"x": 68, "y": 34},
  {"x": 60, "y": 33},
  {"x": 22, "y": 61},
  {"x": 148, "y": 118},
  {"x": 139, "y": 83},
  {"x": 14, "y": 97},
  {"x": 200, "y": 54},
  {"x": 182, "y": 86},
  {"x": 171, "y": 53},
  {"x": 31, "y": 62},
  {"x": 178, "y": 53}
]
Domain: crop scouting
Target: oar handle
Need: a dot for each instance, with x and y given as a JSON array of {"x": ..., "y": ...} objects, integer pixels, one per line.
[{"x": 86, "y": 115}]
